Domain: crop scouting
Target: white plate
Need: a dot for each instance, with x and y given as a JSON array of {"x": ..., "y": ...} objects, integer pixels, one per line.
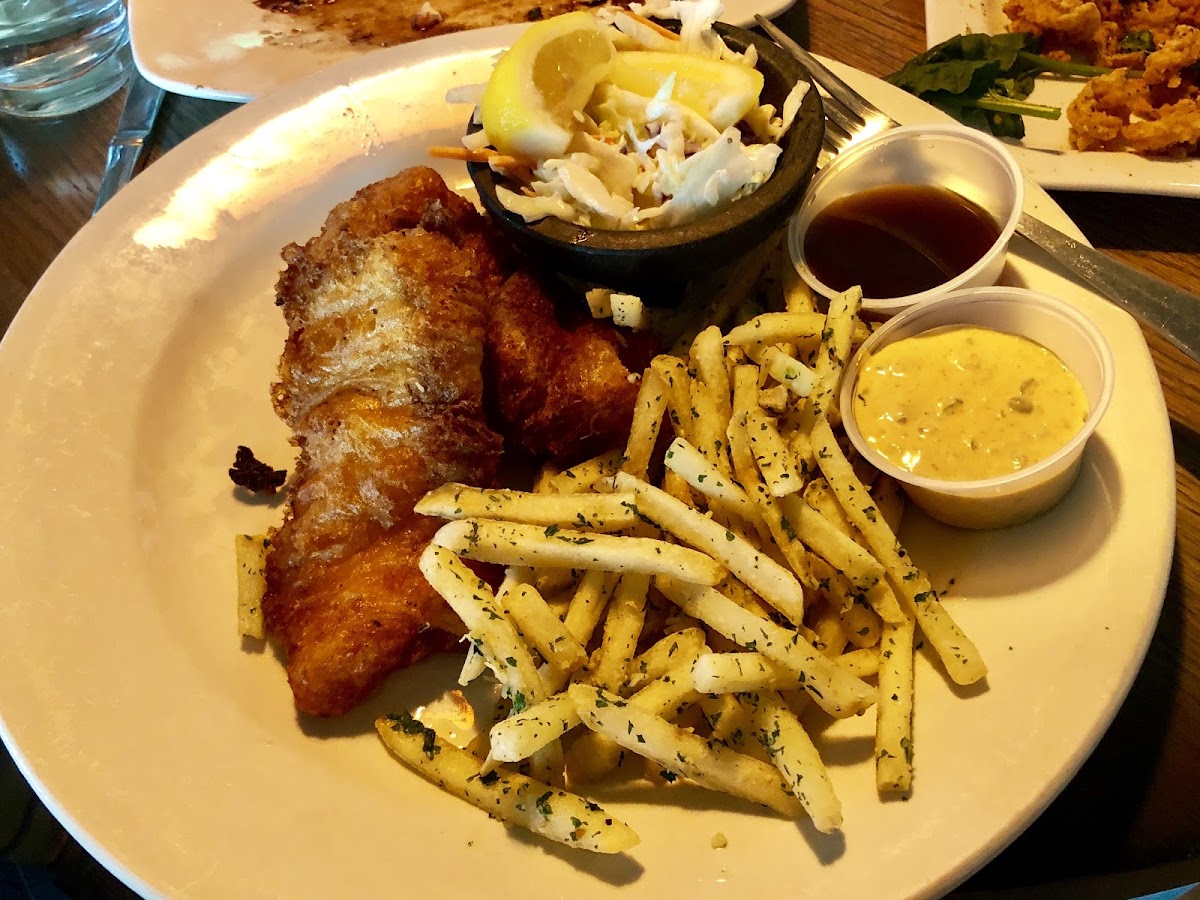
[
  {"x": 233, "y": 50},
  {"x": 1045, "y": 153},
  {"x": 144, "y": 356}
]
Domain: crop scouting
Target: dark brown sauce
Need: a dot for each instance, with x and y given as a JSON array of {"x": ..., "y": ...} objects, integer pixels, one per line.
[{"x": 897, "y": 240}]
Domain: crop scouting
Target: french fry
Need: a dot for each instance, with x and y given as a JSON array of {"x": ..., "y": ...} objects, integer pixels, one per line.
[
  {"x": 663, "y": 655},
  {"x": 580, "y": 478},
  {"x": 545, "y": 476},
  {"x": 672, "y": 692},
  {"x": 749, "y": 671},
  {"x": 793, "y": 753},
  {"x": 591, "y": 757},
  {"x": 785, "y": 327},
  {"x": 470, "y": 597},
  {"x": 797, "y": 295},
  {"x": 861, "y": 625},
  {"x": 782, "y": 535},
  {"x": 591, "y": 512},
  {"x": 551, "y": 580},
  {"x": 588, "y": 604},
  {"x": 715, "y": 767},
  {"x": 622, "y": 628},
  {"x": 674, "y": 374},
  {"x": 250, "y": 551},
  {"x": 788, "y": 371},
  {"x": 831, "y": 636},
  {"x": 893, "y": 723},
  {"x": 772, "y": 455},
  {"x": 686, "y": 461},
  {"x": 776, "y": 399},
  {"x": 889, "y": 498},
  {"x": 594, "y": 755},
  {"x": 957, "y": 652},
  {"x": 837, "y": 693},
  {"x": 526, "y": 732},
  {"x": 474, "y": 665},
  {"x": 546, "y": 765},
  {"x": 648, "y": 414},
  {"x": 538, "y": 624},
  {"x": 708, "y": 356},
  {"x": 511, "y": 544},
  {"x": 767, "y": 578},
  {"x": 836, "y": 338},
  {"x": 866, "y": 574},
  {"x": 554, "y": 814},
  {"x": 860, "y": 663},
  {"x": 708, "y": 427}
]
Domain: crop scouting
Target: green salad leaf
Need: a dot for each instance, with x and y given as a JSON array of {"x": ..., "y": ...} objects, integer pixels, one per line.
[{"x": 983, "y": 80}]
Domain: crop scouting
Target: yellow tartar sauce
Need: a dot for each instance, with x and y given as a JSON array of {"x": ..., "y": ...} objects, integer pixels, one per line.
[{"x": 964, "y": 403}]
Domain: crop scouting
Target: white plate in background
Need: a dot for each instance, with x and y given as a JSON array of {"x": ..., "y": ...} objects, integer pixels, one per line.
[
  {"x": 1045, "y": 153},
  {"x": 233, "y": 50},
  {"x": 145, "y": 355}
]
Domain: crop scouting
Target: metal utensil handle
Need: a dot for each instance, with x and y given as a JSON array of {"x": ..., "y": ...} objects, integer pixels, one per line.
[{"x": 1172, "y": 312}]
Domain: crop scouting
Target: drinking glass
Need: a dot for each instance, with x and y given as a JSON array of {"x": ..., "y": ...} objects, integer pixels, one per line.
[{"x": 60, "y": 56}]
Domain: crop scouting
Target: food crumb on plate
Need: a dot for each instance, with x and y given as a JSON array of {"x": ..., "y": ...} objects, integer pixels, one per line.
[{"x": 719, "y": 841}]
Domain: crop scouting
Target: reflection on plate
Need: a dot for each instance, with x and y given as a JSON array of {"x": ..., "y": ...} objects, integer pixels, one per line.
[
  {"x": 233, "y": 50},
  {"x": 1045, "y": 154},
  {"x": 144, "y": 357}
]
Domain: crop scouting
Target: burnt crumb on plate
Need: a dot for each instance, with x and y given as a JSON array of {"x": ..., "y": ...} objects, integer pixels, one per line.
[{"x": 254, "y": 475}]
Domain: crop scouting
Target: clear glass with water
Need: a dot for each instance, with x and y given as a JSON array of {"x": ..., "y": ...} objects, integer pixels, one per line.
[{"x": 60, "y": 56}]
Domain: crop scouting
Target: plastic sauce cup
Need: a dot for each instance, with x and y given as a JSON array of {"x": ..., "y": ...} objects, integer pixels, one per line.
[
  {"x": 968, "y": 162},
  {"x": 1017, "y": 496}
]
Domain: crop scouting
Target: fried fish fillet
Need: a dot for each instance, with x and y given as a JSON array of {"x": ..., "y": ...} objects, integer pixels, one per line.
[
  {"x": 561, "y": 388},
  {"x": 380, "y": 381},
  {"x": 389, "y": 310}
]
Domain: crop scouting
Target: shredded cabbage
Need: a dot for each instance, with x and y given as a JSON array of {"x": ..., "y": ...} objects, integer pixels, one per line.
[{"x": 651, "y": 162}]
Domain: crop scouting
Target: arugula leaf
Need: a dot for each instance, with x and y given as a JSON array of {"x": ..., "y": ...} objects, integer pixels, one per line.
[{"x": 983, "y": 80}]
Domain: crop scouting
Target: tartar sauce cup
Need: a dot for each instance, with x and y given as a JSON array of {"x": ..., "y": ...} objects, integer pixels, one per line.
[
  {"x": 970, "y": 163},
  {"x": 1018, "y": 496}
]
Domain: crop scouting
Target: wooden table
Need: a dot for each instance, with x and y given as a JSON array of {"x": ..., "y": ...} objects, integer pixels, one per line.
[{"x": 1135, "y": 802}]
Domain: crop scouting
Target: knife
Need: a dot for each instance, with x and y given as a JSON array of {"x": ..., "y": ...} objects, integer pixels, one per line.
[{"x": 142, "y": 102}]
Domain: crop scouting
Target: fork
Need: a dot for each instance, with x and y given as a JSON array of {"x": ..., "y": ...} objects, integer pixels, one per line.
[{"x": 1169, "y": 311}]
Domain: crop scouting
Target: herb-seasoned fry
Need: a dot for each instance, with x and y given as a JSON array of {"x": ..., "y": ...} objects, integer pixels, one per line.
[
  {"x": 773, "y": 582},
  {"x": 591, "y": 512},
  {"x": 680, "y": 751},
  {"x": 250, "y": 551},
  {"x": 956, "y": 651},
  {"x": 837, "y": 693},
  {"x": 793, "y": 753},
  {"x": 555, "y": 814},
  {"x": 510, "y": 544}
]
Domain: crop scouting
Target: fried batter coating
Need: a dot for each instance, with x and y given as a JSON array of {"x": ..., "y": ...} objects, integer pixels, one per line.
[
  {"x": 1099, "y": 112},
  {"x": 1075, "y": 21},
  {"x": 1181, "y": 50},
  {"x": 1157, "y": 114},
  {"x": 1154, "y": 113},
  {"x": 381, "y": 383},
  {"x": 381, "y": 380},
  {"x": 561, "y": 390}
]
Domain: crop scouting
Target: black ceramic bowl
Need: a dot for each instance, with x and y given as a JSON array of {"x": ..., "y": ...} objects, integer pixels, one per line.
[{"x": 640, "y": 261}]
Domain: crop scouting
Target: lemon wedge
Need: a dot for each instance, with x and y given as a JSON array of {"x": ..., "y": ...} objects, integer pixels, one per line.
[
  {"x": 722, "y": 92},
  {"x": 548, "y": 74}
]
